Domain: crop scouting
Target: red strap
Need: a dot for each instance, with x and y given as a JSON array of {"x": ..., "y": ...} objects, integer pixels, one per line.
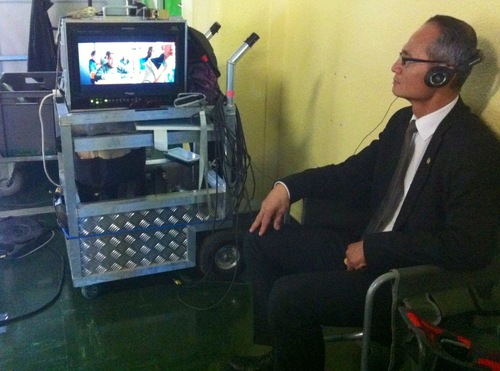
[{"x": 492, "y": 365}]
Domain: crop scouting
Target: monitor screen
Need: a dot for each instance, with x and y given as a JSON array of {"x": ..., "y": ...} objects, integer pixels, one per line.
[
  {"x": 123, "y": 64},
  {"x": 126, "y": 62}
]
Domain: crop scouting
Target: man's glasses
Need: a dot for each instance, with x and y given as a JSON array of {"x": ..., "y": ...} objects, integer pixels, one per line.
[{"x": 405, "y": 60}]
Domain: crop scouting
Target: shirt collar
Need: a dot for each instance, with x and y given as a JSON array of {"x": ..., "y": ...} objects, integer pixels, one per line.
[{"x": 427, "y": 125}]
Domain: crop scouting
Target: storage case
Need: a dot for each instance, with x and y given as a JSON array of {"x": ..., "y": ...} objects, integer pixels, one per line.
[{"x": 20, "y": 97}]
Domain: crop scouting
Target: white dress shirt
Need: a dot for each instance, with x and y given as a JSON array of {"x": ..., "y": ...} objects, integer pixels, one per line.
[{"x": 426, "y": 127}]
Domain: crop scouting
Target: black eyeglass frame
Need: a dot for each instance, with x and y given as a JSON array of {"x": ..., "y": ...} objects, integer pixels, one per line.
[{"x": 405, "y": 60}]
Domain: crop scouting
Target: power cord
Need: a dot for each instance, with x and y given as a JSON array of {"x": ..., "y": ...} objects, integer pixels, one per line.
[
  {"x": 7, "y": 320},
  {"x": 206, "y": 276},
  {"x": 235, "y": 169},
  {"x": 217, "y": 303},
  {"x": 42, "y": 133}
]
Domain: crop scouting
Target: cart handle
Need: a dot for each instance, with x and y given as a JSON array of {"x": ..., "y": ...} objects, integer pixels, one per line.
[
  {"x": 213, "y": 30},
  {"x": 247, "y": 44}
]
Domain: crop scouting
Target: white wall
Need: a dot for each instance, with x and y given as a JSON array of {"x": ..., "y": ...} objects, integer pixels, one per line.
[{"x": 14, "y": 28}]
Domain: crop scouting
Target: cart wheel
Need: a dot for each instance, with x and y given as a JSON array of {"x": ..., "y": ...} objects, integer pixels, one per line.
[
  {"x": 10, "y": 186},
  {"x": 91, "y": 291},
  {"x": 220, "y": 255}
]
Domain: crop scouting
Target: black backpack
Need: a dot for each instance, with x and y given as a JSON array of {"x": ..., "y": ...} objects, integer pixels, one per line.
[{"x": 202, "y": 70}]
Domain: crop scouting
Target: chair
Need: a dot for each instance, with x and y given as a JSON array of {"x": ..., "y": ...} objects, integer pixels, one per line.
[{"x": 406, "y": 282}]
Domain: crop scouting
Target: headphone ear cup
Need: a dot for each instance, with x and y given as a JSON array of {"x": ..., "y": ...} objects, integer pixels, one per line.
[{"x": 438, "y": 76}]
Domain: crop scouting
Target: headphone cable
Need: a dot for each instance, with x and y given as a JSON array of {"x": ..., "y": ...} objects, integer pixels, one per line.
[{"x": 376, "y": 127}]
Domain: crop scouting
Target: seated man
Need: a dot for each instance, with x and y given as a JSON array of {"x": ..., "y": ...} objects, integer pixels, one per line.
[
  {"x": 161, "y": 68},
  {"x": 110, "y": 71},
  {"x": 439, "y": 207}
]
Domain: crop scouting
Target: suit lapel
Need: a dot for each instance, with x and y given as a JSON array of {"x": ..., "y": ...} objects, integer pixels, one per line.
[{"x": 425, "y": 166}]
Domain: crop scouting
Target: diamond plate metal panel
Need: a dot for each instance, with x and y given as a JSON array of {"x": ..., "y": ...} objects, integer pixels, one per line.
[{"x": 116, "y": 242}]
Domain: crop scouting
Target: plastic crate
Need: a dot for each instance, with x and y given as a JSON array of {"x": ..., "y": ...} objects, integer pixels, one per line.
[{"x": 20, "y": 98}]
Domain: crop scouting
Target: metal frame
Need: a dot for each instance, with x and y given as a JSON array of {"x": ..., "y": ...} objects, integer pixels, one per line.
[
  {"x": 365, "y": 335},
  {"x": 368, "y": 314},
  {"x": 209, "y": 207},
  {"x": 417, "y": 280},
  {"x": 105, "y": 239}
]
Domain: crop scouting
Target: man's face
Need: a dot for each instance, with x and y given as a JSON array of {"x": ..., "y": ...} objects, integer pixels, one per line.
[
  {"x": 408, "y": 80},
  {"x": 167, "y": 50},
  {"x": 111, "y": 60}
]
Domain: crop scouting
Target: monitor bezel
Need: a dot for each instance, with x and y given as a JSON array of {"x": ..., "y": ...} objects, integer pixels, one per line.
[{"x": 80, "y": 96}]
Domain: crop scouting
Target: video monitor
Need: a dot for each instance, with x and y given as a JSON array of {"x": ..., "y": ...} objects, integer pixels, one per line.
[{"x": 125, "y": 63}]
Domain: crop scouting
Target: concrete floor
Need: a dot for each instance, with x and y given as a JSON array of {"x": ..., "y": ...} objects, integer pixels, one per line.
[{"x": 155, "y": 322}]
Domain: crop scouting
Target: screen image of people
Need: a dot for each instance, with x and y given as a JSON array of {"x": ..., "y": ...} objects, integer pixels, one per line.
[
  {"x": 112, "y": 70},
  {"x": 142, "y": 61},
  {"x": 126, "y": 62},
  {"x": 161, "y": 68},
  {"x": 94, "y": 64}
]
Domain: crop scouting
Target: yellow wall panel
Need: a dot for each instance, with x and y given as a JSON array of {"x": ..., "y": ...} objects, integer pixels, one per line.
[{"x": 319, "y": 79}]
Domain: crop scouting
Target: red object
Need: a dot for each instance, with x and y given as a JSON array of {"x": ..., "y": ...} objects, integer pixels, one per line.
[{"x": 438, "y": 335}]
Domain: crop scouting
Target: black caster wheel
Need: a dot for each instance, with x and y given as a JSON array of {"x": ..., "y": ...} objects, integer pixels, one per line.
[
  {"x": 220, "y": 255},
  {"x": 91, "y": 291},
  {"x": 11, "y": 186}
]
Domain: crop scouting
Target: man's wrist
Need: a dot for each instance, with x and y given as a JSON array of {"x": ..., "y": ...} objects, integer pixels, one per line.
[{"x": 284, "y": 185}]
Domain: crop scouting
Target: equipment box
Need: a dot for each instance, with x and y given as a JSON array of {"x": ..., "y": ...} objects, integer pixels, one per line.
[
  {"x": 20, "y": 130},
  {"x": 111, "y": 239}
]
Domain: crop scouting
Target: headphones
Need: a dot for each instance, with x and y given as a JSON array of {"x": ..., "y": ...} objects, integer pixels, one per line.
[{"x": 440, "y": 76}]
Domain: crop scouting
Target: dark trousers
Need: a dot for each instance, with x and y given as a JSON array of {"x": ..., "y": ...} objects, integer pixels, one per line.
[{"x": 300, "y": 284}]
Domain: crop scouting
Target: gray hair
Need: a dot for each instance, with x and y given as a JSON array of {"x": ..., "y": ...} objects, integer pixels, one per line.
[{"x": 456, "y": 45}]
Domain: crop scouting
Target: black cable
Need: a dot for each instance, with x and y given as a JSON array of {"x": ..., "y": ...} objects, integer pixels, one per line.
[
  {"x": 375, "y": 128},
  {"x": 50, "y": 302},
  {"x": 234, "y": 171}
]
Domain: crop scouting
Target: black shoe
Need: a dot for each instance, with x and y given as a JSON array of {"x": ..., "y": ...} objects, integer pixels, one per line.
[{"x": 255, "y": 363}]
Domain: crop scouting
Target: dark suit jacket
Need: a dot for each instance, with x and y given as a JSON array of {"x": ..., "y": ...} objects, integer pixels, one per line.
[{"x": 451, "y": 213}]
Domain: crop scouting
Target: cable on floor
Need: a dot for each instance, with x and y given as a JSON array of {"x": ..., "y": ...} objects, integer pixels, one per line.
[
  {"x": 49, "y": 303},
  {"x": 234, "y": 165}
]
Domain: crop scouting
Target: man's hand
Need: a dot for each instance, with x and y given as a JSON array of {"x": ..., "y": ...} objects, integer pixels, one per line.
[
  {"x": 272, "y": 210},
  {"x": 355, "y": 256}
]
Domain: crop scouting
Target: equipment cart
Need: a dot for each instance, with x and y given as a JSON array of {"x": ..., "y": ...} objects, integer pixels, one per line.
[
  {"x": 20, "y": 129},
  {"x": 115, "y": 239}
]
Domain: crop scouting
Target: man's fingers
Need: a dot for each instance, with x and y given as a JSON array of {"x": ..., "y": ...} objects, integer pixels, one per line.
[
  {"x": 256, "y": 223},
  {"x": 264, "y": 224},
  {"x": 278, "y": 222}
]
